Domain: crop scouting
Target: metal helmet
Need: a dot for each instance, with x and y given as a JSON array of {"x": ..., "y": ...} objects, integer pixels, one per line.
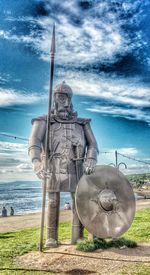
[
  {"x": 63, "y": 88},
  {"x": 105, "y": 202}
]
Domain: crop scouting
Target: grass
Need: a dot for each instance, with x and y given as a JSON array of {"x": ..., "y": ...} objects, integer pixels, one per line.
[
  {"x": 13, "y": 244},
  {"x": 89, "y": 246},
  {"x": 140, "y": 229},
  {"x": 137, "y": 269}
]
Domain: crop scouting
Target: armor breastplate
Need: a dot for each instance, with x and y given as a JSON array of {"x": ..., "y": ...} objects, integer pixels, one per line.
[
  {"x": 67, "y": 143},
  {"x": 70, "y": 142}
]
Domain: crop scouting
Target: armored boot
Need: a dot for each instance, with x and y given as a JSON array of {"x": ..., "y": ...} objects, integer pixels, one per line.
[
  {"x": 77, "y": 227},
  {"x": 52, "y": 219}
]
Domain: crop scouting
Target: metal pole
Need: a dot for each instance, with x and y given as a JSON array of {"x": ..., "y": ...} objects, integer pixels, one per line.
[{"x": 47, "y": 137}]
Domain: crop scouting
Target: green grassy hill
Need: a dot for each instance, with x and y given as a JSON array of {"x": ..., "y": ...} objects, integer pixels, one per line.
[{"x": 138, "y": 180}]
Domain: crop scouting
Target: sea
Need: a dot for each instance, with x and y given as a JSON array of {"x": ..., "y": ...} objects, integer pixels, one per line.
[{"x": 25, "y": 197}]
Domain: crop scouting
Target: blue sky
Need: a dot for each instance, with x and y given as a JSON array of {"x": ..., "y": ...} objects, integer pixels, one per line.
[{"x": 103, "y": 53}]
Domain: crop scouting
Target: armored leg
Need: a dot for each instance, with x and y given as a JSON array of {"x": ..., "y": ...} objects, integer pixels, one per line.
[
  {"x": 77, "y": 227},
  {"x": 52, "y": 219}
]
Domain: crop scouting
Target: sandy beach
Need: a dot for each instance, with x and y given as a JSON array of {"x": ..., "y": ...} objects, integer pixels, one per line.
[
  {"x": 18, "y": 222},
  {"x": 14, "y": 223}
]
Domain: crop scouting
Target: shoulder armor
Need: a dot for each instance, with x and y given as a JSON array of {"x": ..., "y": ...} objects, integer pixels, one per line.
[
  {"x": 40, "y": 118},
  {"x": 83, "y": 121}
]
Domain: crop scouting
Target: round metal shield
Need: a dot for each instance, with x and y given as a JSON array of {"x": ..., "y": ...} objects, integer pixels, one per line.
[{"x": 105, "y": 202}]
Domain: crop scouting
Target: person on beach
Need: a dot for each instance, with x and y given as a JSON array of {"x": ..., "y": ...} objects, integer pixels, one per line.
[
  {"x": 67, "y": 206},
  {"x": 4, "y": 212},
  {"x": 72, "y": 151},
  {"x": 11, "y": 211}
]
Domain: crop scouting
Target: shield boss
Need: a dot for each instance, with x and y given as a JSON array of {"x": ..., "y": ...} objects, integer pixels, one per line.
[{"x": 105, "y": 202}]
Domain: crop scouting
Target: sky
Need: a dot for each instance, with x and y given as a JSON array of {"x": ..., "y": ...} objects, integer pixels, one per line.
[{"x": 102, "y": 52}]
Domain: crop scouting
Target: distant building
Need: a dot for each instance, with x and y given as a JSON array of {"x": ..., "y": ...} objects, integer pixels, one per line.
[{"x": 146, "y": 184}]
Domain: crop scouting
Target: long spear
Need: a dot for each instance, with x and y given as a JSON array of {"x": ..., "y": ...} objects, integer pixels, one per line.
[{"x": 47, "y": 136}]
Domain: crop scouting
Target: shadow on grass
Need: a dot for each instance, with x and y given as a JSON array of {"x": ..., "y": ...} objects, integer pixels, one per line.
[
  {"x": 79, "y": 272},
  {"x": 6, "y": 235}
]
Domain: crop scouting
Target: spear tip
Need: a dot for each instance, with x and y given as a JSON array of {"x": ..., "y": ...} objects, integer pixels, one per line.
[{"x": 53, "y": 40}]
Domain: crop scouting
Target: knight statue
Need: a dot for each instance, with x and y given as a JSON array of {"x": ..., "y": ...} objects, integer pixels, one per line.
[{"x": 72, "y": 152}]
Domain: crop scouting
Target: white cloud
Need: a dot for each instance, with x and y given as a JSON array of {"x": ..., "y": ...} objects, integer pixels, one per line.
[
  {"x": 27, "y": 39},
  {"x": 136, "y": 169},
  {"x": 13, "y": 154},
  {"x": 117, "y": 89},
  {"x": 132, "y": 114},
  {"x": 4, "y": 78},
  {"x": 115, "y": 96},
  {"x": 85, "y": 44},
  {"x": 110, "y": 157},
  {"x": 99, "y": 37},
  {"x": 122, "y": 98},
  {"x": 114, "y": 89},
  {"x": 15, "y": 163},
  {"x": 7, "y": 78},
  {"x": 132, "y": 166},
  {"x": 131, "y": 151},
  {"x": 10, "y": 97},
  {"x": 12, "y": 146}
]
